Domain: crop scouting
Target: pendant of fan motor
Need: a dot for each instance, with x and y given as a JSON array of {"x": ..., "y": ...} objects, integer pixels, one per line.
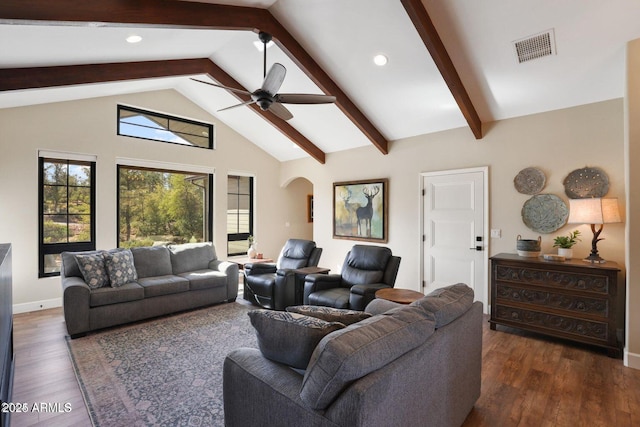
[{"x": 263, "y": 98}]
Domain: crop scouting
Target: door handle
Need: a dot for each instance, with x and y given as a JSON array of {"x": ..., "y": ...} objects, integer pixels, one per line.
[{"x": 477, "y": 248}]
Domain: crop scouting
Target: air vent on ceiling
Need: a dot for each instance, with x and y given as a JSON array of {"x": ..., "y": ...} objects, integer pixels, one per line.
[{"x": 536, "y": 46}]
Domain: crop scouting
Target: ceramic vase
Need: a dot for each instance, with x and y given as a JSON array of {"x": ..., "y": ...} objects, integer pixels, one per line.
[
  {"x": 567, "y": 253},
  {"x": 252, "y": 252}
]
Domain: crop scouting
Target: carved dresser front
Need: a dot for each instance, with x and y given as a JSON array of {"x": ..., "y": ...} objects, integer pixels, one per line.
[{"x": 573, "y": 299}]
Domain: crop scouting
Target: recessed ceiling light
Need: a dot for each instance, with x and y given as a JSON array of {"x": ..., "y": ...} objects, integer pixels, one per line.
[
  {"x": 380, "y": 60},
  {"x": 134, "y": 38}
]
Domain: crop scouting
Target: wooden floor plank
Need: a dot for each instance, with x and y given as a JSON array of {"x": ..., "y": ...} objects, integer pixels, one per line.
[{"x": 527, "y": 380}]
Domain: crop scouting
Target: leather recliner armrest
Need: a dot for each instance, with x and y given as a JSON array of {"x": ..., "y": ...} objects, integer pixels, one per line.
[
  {"x": 259, "y": 268},
  {"x": 319, "y": 282}
]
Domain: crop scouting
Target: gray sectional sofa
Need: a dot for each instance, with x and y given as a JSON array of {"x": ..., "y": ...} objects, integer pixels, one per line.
[
  {"x": 168, "y": 279},
  {"x": 414, "y": 365}
]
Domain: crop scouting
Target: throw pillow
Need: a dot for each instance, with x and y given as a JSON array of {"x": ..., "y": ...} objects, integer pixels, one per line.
[
  {"x": 119, "y": 265},
  {"x": 330, "y": 314},
  {"x": 93, "y": 270},
  {"x": 289, "y": 338}
]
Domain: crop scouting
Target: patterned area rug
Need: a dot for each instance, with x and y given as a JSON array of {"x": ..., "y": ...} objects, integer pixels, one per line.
[{"x": 164, "y": 372}]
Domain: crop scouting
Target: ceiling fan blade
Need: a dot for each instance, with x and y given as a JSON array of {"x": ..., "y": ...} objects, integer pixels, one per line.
[
  {"x": 280, "y": 111},
  {"x": 238, "y": 105},
  {"x": 304, "y": 98},
  {"x": 232, "y": 89},
  {"x": 274, "y": 79}
]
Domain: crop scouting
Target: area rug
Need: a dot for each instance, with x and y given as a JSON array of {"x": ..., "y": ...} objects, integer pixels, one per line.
[{"x": 164, "y": 372}]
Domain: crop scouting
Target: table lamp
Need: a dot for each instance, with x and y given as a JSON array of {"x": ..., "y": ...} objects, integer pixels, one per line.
[{"x": 594, "y": 211}]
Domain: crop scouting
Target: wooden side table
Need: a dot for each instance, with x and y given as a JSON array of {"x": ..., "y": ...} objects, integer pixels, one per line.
[
  {"x": 401, "y": 296},
  {"x": 246, "y": 260},
  {"x": 301, "y": 273}
]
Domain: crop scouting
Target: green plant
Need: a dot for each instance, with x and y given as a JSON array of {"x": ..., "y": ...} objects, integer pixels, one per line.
[
  {"x": 250, "y": 239},
  {"x": 568, "y": 241}
]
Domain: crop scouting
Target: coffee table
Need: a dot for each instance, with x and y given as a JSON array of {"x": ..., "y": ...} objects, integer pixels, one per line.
[{"x": 401, "y": 296}]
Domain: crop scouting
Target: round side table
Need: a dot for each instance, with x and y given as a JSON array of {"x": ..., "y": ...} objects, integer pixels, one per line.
[{"x": 401, "y": 296}]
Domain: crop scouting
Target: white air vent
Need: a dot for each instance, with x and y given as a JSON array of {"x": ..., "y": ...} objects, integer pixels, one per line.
[{"x": 536, "y": 46}]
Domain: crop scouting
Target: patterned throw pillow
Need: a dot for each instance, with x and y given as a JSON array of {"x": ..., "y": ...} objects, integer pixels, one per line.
[
  {"x": 93, "y": 270},
  {"x": 330, "y": 314},
  {"x": 120, "y": 267},
  {"x": 289, "y": 338}
]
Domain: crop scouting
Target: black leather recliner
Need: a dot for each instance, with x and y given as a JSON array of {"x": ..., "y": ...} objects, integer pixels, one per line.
[
  {"x": 366, "y": 269},
  {"x": 273, "y": 286}
]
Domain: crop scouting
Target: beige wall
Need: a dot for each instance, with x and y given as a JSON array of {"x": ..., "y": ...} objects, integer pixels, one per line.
[
  {"x": 89, "y": 127},
  {"x": 632, "y": 156},
  {"x": 556, "y": 142}
]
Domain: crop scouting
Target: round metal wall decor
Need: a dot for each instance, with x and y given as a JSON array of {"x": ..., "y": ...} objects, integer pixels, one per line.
[
  {"x": 529, "y": 181},
  {"x": 545, "y": 213},
  {"x": 586, "y": 182}
]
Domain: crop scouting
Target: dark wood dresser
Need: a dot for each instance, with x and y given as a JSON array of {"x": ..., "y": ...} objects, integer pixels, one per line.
[
  {"x": 573, "y": 299},
  {"x": 6, "y": 331}
]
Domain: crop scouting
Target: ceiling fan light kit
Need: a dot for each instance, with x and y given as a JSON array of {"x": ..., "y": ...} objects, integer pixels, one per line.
[{"x": 267, "y": 96}]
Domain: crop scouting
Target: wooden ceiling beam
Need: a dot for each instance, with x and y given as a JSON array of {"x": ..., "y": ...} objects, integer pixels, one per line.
[
  {"x": 69, "y": 75},
  {"x": 184, "y": 14},
  {"x": 429, "y": 35}
]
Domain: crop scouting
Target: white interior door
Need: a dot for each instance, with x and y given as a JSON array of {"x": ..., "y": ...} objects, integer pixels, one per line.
[{"x": 454, "y": 230}]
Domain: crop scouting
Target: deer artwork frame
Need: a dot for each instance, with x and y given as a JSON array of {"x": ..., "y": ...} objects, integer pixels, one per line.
[{"x": 360, "y": 210}]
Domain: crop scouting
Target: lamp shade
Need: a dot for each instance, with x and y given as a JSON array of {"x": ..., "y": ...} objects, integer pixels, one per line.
[{"x": 593, "y": 211}]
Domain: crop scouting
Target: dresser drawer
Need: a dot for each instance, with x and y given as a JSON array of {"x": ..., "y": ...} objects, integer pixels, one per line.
[
  {"x": 561, "y": 325},
  {"x": 565, "y": 280},
  {"x": 507, "y": 293}
]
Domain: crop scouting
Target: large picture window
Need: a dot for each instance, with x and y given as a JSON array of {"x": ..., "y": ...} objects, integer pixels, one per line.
[
  {"x": 66, "y": 210},
  {"x": 162, "y": 206},
  {"x": 144, "y": 124},
  {"x": 239, "y": 214}
]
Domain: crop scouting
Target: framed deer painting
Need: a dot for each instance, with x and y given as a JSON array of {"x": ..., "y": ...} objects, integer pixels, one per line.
[{"x": 360, "y": 210}]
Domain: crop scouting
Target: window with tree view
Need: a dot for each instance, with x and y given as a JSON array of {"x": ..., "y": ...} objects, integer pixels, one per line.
[
  {"x": 160, "y": 206},
  {"x": 239, "y": 214},
  {"x": 67, "y": 221}
]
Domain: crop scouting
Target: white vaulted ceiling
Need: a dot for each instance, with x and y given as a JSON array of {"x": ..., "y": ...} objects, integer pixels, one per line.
[{"x": 407, "y": 97}]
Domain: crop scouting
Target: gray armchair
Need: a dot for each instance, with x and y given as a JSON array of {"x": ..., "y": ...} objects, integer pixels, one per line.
[
  {"x": 273, "y": 286},
  {"x": 366, "y": 269}
]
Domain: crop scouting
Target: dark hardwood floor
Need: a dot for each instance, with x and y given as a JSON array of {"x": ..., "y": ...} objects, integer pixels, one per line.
[{"x": 527, "y": 380}]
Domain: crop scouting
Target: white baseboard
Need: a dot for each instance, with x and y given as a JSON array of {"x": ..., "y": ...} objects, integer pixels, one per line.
[
  {"x": 632, "y": 360},
  {"x": 37, "y": 305}
]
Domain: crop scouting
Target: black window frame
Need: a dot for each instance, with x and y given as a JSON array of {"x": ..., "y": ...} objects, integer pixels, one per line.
[
  {"x": 235, "y": 237},
  {"x": 170, "y": 118},
  {"x": 57, "y": 248},
  {"x": 209, "y": 217}
]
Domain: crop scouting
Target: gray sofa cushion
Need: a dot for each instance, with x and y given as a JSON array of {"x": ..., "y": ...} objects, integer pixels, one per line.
[
  {"x": 191, "y": 256},
  {"x": 108, "y": 295},
  {"x": 330, "y": 314},
  {"x": 448, "y": 303},
  {"x": 205, "y": 279},
  {"x": 119, "y": 265},
  {"x": 152, "y": 261},
  {"x": 289, "y": 338},
  {"x": 163, "y": 285},
  {"x": 361, "y": 348}
]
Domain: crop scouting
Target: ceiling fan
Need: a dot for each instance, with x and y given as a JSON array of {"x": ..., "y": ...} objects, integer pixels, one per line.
[{"x": 267, "y": 97}]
